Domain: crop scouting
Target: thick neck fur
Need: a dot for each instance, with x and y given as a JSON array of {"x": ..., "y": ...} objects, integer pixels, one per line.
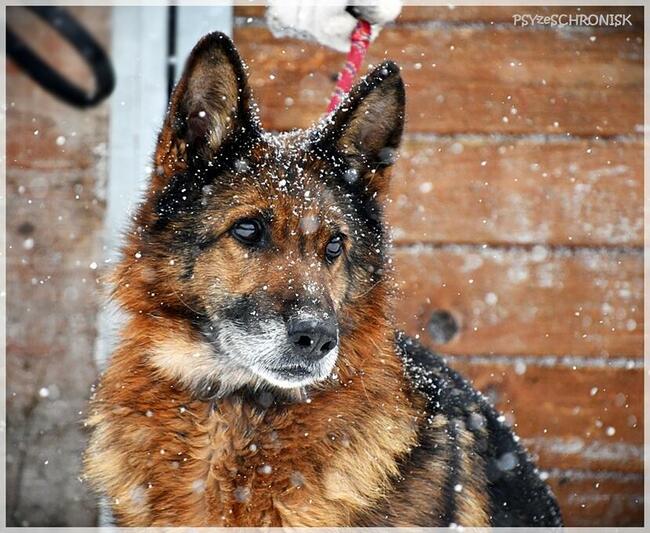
[{"x": 165, "y": 457}]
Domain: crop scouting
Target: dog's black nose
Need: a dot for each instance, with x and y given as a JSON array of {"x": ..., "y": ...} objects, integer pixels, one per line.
[{"x": 311, "y": 338}]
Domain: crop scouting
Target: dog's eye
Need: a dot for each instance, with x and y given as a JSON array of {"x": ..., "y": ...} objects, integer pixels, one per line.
[
  {"x": 248, "y": 231},
  {"x": 334, "y": 248}
]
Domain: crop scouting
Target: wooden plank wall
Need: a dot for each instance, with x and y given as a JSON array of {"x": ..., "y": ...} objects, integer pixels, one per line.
[
  {"x": 517, "y": 214},
  {"x": 56, "y": 174}
]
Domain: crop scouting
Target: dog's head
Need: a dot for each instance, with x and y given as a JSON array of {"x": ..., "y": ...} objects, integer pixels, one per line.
[{"x": 264, "y": 242}]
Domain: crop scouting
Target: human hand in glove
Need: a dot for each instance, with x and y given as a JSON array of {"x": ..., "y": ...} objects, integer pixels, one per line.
[{"x": 330, "y": 24}]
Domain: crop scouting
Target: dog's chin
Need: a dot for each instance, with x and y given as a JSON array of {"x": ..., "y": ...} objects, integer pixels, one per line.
[{"x": 297, "y": 376}]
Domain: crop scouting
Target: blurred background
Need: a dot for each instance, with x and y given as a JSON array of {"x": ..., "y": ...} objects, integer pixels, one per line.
[{"x": 517, "y": 216}]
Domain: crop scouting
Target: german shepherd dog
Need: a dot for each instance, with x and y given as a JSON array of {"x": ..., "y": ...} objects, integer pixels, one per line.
[{"x": 259, "y": 381}]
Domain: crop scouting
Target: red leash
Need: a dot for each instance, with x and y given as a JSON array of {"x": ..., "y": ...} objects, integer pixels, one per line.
[{"x": 359, "y": 41}]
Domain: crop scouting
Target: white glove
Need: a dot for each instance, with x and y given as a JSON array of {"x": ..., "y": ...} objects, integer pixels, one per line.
[{"x": 329, "y": 24}]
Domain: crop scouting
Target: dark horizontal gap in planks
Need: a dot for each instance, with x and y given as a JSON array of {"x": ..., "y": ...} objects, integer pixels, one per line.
[
  {"x": 563, "y": 250},
  {"x": 549, "y": 361}
]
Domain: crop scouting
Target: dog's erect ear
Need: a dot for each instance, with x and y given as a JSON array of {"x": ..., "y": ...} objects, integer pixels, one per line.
[
  {"x": 210, "y": 104},
  {"x": 366, "y": 128}
]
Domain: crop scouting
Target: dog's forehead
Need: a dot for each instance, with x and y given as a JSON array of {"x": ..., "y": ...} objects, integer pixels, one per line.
[
  {"x": 281, "y": 178},
  {"x": 286, "y": 165},
  {"x": 289, "y": 155}
]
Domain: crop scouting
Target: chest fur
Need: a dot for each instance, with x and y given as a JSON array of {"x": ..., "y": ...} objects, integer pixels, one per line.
[{"x": 234, "y": 464}]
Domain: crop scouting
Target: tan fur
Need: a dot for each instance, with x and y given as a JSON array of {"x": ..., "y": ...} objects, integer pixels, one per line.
[
  {"x": 472, "y": 500},
  {"x": 154, "y": 447}
]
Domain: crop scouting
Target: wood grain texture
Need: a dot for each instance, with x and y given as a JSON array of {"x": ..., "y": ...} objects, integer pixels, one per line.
[
  {"x": 518, "y": 191},
  {"x": 588, "y": 418},
  {"x": 526, "y": 302},
  {"x": 593, "y": 499},
  {"x": 467, "y": 80}
]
